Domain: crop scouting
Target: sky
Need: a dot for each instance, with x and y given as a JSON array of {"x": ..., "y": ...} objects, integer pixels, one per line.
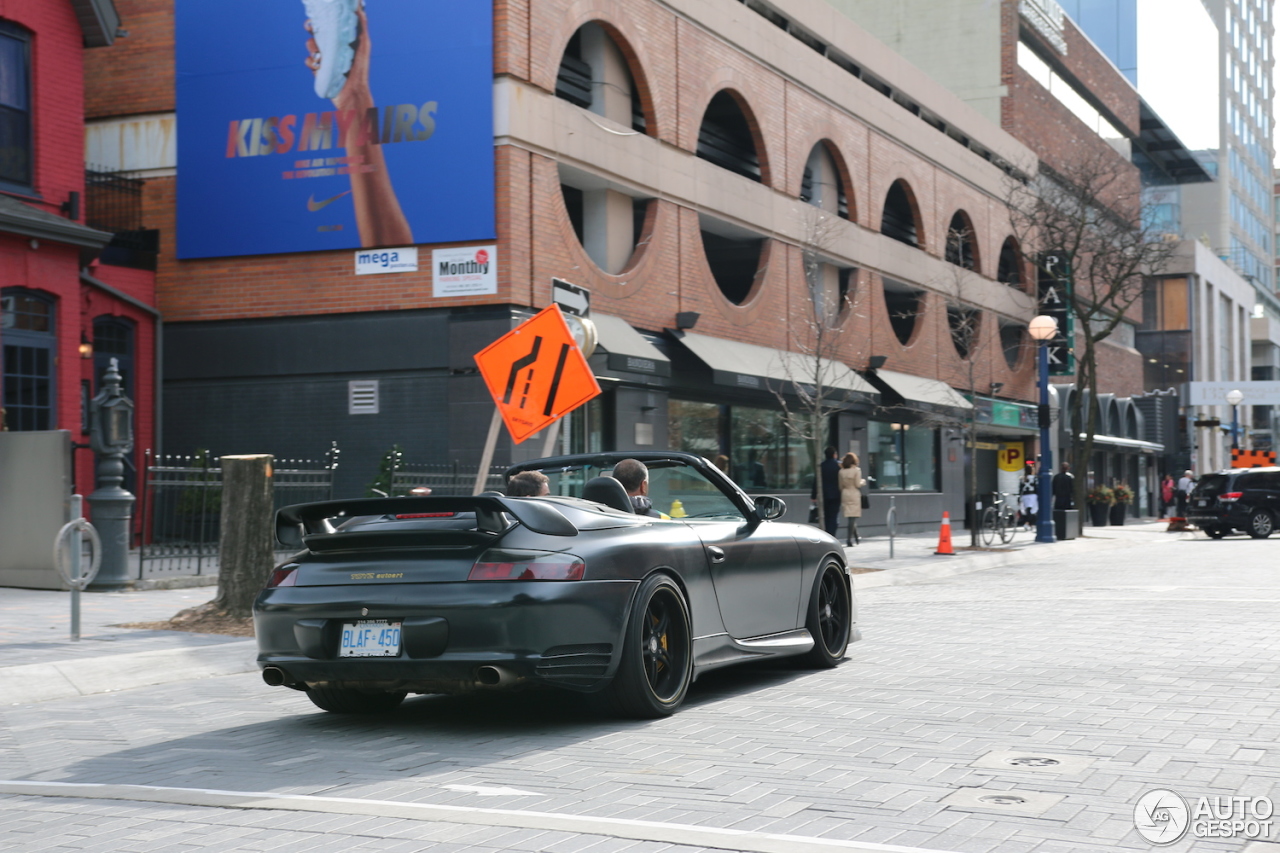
[{"x": 1178, "y": 68}]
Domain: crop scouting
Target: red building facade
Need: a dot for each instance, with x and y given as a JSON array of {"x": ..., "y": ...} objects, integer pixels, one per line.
[{"x": 75, "y": 287}]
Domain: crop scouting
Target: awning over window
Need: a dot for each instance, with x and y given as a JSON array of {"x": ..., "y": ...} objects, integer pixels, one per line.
[
  {"x": 898, "y": 388},
  {"x": 750, "y": 366},
  {"x": 627, "y": 349}
]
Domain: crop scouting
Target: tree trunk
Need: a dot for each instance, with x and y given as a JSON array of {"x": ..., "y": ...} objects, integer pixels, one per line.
[{"x": 246, "y": 548}]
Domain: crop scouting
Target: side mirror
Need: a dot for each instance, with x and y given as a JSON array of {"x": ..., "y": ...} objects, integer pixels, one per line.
[{"x": 770, "y": 508}]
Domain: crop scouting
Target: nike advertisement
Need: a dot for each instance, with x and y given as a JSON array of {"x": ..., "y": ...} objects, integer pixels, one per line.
[{"x": 306, "y": 125}]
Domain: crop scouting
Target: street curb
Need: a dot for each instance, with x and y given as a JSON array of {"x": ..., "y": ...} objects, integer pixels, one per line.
[
  {"x": 949, "y": 566},
  {"x": 67, "y": 679}
]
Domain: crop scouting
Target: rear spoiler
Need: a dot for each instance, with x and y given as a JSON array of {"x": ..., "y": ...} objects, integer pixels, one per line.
[{"x": 294, "y": 522}]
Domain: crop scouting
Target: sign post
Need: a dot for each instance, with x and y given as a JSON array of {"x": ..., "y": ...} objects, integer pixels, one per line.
[{"x": 537, "y": 375}]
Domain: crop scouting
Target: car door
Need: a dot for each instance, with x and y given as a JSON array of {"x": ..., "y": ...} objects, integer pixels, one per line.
[{"x": 755, "y": 568}]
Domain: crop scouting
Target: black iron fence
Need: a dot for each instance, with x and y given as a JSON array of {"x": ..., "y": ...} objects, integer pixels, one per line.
[
  {"x": 443, "y": 478},
  {"x": 181, "y": 507}
]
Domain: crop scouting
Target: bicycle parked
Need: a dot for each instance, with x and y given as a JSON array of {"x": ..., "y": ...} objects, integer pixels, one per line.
[{"x": 999, "y": 521}]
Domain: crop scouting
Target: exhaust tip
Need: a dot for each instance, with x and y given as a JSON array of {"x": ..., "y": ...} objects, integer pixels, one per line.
[
  {"x": 494, "y": 676},
  {"x": 274, "y": 676}
]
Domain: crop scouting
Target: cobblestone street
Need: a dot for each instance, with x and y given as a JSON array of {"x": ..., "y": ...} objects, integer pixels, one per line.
[{"x": 1025, "y": 707}]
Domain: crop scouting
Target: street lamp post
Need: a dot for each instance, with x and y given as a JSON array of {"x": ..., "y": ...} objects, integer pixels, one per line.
[
  {"x": 1043, "y": 329},
  {"x": 1235, "y": 397}
]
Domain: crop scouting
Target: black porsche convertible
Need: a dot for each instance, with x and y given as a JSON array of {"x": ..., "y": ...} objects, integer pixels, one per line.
[{"x": 391, "y": 596}]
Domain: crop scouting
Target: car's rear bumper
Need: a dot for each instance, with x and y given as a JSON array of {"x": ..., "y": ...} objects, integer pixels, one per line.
[{"x": 563, "y": 633}]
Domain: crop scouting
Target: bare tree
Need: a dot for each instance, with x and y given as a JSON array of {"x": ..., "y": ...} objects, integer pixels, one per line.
[
  {"x": 820, "y": 385},
  {"x": 1086, "y": 218}
]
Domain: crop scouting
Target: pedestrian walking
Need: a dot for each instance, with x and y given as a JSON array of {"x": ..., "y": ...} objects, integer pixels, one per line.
[
  {"x": 1029, "y": 497},
  {"x": 829, "y": 470},
  {"x": 1186, "y": 483},
  {"x": 1167, "y": 488},
  {"x": 852, "y": 499},
  {"x": 1064, "y": 488}
]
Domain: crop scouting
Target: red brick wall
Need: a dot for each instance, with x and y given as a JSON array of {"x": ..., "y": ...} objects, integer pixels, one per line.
[
  {"x": 680, "y": 67},
  {"x": 136, "y": 74}
]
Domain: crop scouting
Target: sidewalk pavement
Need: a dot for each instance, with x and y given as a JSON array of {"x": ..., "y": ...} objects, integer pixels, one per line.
[{"x": 39, "y": 662}]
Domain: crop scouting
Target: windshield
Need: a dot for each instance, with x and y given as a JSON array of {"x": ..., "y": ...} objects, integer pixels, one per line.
[
  {"x": 676, "y": 489},
  {"x": 1211, "y": 485}
]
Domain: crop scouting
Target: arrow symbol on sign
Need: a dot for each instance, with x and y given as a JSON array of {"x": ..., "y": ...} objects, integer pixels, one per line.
[
  {"x": 519, "y": 365},
  {"x": 571, "y": 299}
]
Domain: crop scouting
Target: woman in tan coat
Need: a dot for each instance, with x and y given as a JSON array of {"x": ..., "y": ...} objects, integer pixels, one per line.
[{"x": 851, "y": 484}]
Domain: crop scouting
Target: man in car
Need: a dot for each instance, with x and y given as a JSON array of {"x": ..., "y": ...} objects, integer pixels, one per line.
[
  {"x": 528, "y": 484},
  {"x": 634, "y": 477}
]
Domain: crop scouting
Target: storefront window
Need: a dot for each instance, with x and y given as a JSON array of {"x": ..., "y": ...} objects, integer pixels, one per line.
[
  {"x": 763, "y": 454},
  {"x": 901, "y": 457}
]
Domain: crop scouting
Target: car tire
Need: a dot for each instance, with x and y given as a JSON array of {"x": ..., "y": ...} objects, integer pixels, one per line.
[
  {"x": 1215, "y": 532},
  {"x": 1261, "y": 524},
  {"x": 657, "y": 653},
  {"x": 830, "y": 618},
  {"x": 339, "y": 700}
]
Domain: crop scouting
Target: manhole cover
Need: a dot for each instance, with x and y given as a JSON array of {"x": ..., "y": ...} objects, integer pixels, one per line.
[
  {"x": 1002, "y": 800},
  {"x": 1034, "y": 761}
]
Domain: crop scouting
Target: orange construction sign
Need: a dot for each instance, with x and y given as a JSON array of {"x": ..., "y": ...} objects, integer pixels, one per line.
[
  {"x": 536, "y": 373},
  {"x": 1252, "y": 458}
]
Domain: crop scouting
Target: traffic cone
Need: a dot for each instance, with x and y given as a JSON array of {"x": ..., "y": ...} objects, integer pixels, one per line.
[{"x": 944, "y": 536}]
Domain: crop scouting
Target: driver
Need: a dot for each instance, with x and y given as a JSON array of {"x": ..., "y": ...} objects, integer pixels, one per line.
[
  {"x": 634, "y": 477},
  {"x": 528, "y": 484}
]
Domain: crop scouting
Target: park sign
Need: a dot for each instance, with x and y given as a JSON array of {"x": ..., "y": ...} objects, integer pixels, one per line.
[
  {"x": 536, "y": 373},
  {"x": 1053, "y": 292}
]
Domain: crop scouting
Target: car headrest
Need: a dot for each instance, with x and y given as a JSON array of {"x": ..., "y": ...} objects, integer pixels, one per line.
[{"x": 607, "y": 491}]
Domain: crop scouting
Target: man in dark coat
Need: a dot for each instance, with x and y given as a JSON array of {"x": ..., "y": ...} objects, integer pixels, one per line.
[
  {"x": 830, "y": 472},
  {"x": 1064, "y": 488}
]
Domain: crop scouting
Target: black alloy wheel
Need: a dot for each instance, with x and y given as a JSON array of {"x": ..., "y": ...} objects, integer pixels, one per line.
[
  {"x": 341, "y": 700},
  {"x": 657, "y": 655},
  {"x": 1261, "y": 524},
  {"x": 830, "y": 618},
  {"x": 1215, "y": 532}
]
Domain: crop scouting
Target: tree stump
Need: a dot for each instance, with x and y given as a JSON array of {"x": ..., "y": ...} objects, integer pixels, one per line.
[{"x": 246, "y": 548}]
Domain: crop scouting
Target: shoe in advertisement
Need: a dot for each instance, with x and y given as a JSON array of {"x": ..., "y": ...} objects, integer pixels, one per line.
[{"x": 335, "y": 28}]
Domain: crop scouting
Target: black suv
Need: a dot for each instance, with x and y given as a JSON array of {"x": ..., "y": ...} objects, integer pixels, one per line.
[{"x": 1246, "y": 499}]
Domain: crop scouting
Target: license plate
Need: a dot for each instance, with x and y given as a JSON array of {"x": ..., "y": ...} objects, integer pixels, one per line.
[
  {"x": 1202, "y": 503},
  {"x": 370, "y": 638}
]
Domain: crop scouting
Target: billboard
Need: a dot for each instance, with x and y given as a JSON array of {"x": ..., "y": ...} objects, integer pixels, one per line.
[{"x": 307, "y": 125}]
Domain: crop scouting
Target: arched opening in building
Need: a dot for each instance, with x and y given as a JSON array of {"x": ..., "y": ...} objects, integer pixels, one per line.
[
  {"x": 962, "y": 246},
  {"x": 1009, "y": 269},
  {"x": 608, "y": 221},
  {"x": 113, "y": 338},
  {"x": 725, "y": 138},
  {"x": 823, "y": 182},
  {"x": 1012, "y": 343},
  {"x": 905, "y": 304},
  {"x": 899, "y": 220},
  {"x": 736, "y": 256},
  {"x": 964, "y": 324},
  {"x": 596, "y": 74}
]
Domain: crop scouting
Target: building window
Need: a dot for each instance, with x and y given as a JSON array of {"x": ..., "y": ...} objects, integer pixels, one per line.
[
  {"x": 736, "y": 257},
  {"x": 15, "y": 104},
  {"x": 763, "y": 454},
  {"x": 596, "y": 75},
  {"x": 113, "y": 338},
  {"x": 901, "y": 457},
  {"x": 27, "y": 322},
  {"x": 905, "y": 305},
  {"x": 1009, "y": 270},
  {"x": 823, "y": 182},
  {"x": 898, "y": 220},
  {"x": 964, "y": 324},
  {"x": 609, "y": 223},
  {"x": 961, "y": 246},
  {"x": 725, "y": 138},
  {"x": 1012, "y": 339}
]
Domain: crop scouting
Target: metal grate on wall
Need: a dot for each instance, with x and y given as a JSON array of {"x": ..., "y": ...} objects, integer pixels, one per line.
[{"x": 362, "y": 397}]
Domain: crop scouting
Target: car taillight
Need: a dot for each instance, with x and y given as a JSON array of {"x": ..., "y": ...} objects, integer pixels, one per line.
[
  {"x": 1229, "y": 497},
  {"x": 283, "y": 576},
  {"x": 504, "y": 565}
]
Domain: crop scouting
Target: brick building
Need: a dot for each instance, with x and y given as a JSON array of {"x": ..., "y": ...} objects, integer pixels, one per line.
[
  {"x": 697, "y": 157},
  {"x": 77, "y": 288}
]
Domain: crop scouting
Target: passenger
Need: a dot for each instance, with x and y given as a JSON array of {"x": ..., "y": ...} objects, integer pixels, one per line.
[
  {"x": 634, "y": 477},
  {"x": 528, "y": 484}
]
